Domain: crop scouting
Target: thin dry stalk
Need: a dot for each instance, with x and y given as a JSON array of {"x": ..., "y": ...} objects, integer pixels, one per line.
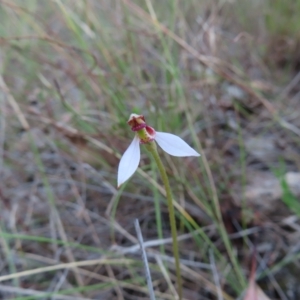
[
  {"x": 216, "y": 275},
  {"x": 145, "y": 260}
]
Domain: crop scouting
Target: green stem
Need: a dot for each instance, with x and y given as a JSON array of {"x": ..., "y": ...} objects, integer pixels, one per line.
[{"x": 153, "y": 149}]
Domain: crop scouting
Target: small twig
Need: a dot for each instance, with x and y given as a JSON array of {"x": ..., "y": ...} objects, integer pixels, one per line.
[
  {"x": 215, "y": 274},
  {"x": 144, "y": 257},
  {"x": 154, "y": 243}
]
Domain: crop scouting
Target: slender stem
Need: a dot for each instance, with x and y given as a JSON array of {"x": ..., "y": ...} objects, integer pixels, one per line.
[{"x": 153, "y": 149}]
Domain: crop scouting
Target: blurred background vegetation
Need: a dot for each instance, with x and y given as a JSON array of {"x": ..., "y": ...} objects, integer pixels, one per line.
[{"x": 223, "y": 75}]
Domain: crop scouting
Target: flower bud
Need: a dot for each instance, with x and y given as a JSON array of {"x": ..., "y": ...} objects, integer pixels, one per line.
[{"x": 138, "y": 124}]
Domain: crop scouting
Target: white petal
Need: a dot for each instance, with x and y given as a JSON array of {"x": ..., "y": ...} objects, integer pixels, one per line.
[
  {"x": 174, "y": 145},
  {"x": 129, "y": 161}
]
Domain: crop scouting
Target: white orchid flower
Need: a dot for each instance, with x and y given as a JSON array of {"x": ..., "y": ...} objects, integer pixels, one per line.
[{"x": 170, "y": 143}]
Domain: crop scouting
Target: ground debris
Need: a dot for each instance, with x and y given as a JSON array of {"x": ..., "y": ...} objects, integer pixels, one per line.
[
  {"x": 264, "y": 188},
  {"x": 254, "y": 292}
]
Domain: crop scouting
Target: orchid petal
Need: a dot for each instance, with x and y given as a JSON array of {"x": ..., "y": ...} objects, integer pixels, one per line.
[
  {"x": 129, "y": 161},
  {"x": 174, "y": 145}
]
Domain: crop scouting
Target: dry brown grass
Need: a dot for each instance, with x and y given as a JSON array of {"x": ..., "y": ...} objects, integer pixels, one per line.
[{"x": 217, "y": 74}]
